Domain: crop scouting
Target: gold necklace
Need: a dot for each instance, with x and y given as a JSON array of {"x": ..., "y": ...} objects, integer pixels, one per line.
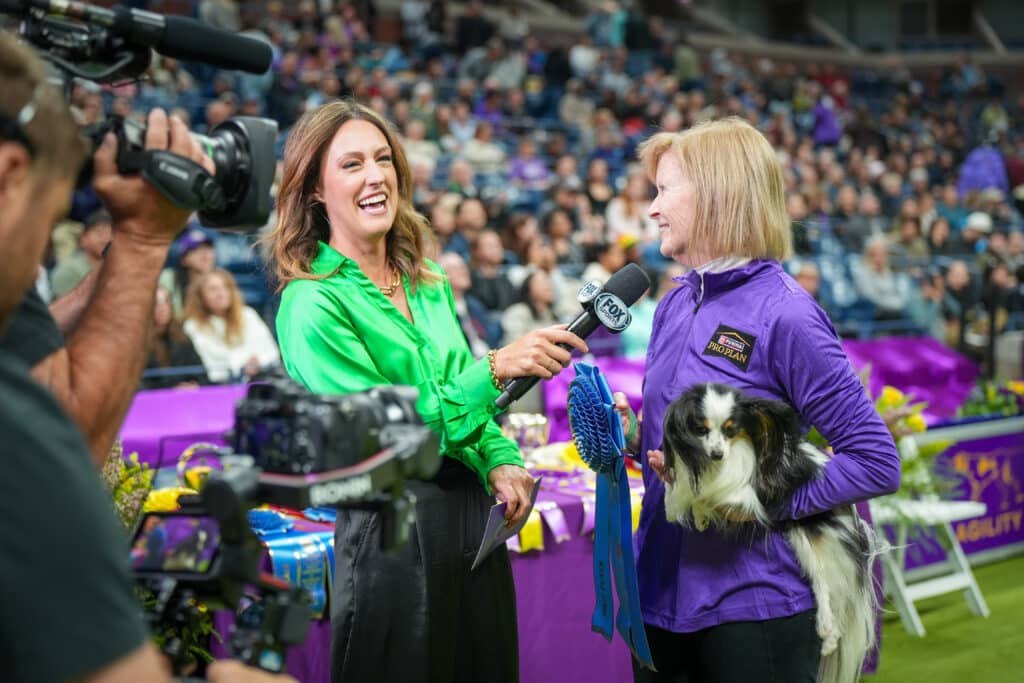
[{"x": 390, "y": 289}]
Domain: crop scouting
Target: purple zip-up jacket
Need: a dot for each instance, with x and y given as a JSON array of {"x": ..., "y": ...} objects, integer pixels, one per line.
[{"x": 753, "y": 328}]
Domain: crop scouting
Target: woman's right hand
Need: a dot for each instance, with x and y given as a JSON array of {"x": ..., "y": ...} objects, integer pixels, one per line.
[{"x": 537, "y": 354}]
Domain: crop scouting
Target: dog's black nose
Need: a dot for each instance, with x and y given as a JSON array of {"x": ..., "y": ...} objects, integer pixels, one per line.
[{"x": 717, "y": 455}]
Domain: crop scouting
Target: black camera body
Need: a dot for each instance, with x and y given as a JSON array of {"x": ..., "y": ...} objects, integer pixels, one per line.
[
  {"x": 107, "y": 46},
  {"x": 288, "y": 430},
  {"x": 206, "y": 553},
  {"x": 237, "y": 195},
  {"x": 291, "y": 448}
]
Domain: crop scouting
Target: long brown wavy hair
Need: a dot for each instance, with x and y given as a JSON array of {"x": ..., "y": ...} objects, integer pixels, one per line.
[
  {"x": 302, "y": 218},
  {"x": 195, "y": 307},
  {"x": 161, "y": 342}
]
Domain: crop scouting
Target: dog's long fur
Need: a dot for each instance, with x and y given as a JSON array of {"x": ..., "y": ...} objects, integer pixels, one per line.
[{"x": 729, "y": 457}]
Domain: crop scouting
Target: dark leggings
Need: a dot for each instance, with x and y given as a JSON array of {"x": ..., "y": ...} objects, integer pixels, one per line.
[{"x": 783, "y": 650}]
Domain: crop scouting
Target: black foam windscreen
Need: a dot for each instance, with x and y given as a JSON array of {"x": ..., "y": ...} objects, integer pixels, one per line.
[
  {"x": 628, "y": 283},
  {"x": 194, "y": 41}
]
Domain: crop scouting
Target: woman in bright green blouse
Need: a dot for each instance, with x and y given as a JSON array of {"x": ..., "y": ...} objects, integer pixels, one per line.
[{"x": 362, "y": 307}]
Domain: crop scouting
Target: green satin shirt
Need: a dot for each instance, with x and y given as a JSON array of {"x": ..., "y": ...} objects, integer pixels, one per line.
[{"x": 341, "y": 335}]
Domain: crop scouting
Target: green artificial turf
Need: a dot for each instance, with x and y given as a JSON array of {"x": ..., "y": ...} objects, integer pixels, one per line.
[{"x": 959, "y": 646}]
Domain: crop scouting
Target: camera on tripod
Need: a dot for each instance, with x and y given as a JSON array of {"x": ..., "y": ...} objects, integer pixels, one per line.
[
  {"x": 293, "y": 449},
  {"x": 115, "y": 46}
]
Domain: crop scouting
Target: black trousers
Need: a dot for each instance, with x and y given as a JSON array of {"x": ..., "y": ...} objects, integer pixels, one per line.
[
  {"x": 419, "y": 615},
  {"x": 783, "y": 650}
]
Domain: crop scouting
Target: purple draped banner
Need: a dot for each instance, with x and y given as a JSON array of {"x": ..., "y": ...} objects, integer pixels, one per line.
[{"x": 921, "y": 367}]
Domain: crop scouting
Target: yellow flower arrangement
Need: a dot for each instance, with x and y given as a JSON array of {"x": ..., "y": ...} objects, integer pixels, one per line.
[
  {"x": 904, "y": 418},
  {"x": 165, "y": 500},
  {"x": 129, "y": 483}
]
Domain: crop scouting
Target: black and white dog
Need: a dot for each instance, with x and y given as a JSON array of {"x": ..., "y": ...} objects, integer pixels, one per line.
[{"x": 729, "y": 457}]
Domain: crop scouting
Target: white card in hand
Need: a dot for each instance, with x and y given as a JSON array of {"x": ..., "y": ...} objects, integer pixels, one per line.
[{"x": 497, "y": 531}]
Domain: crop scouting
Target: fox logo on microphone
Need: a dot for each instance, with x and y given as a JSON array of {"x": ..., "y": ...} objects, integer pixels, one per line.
[{"x": 612, "y": 312}]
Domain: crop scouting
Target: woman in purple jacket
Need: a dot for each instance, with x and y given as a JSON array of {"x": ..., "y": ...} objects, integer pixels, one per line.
[{"x": 722, "y": 607}]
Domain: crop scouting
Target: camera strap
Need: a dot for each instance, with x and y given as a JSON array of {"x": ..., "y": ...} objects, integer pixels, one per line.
[{"x": 182, "y": 181}]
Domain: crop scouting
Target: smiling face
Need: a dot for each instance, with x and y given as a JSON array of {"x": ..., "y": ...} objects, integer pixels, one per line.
[
  {"x": 674, "y": 209},
  {"x": 359, "y": 185}
]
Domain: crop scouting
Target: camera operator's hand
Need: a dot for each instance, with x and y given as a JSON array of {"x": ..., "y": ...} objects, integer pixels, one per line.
[
  {"x": 138, "y": 208},
  {"x": 512, "y": 485},
  {"x": 537, "y": 354},
  {"x": 230, "y": 671}
]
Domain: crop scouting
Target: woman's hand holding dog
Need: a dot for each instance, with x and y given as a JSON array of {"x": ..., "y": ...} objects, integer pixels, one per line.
[
  {"x": 656, "y": 461},
  {"x": 630, "y": 422}
]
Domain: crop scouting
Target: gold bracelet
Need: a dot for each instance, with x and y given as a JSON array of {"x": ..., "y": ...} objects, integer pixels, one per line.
[{"x": 494, "y": 373}]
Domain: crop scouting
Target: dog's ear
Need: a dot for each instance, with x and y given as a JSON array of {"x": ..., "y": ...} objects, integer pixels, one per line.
[
  {"x": 774, "y": 431},
  {"x": 678, "y": 439}
]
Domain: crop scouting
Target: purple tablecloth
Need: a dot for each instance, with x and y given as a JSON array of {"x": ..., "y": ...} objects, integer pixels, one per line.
[
  {"x": 161, "y": 423},
  {"x": 555, "y": 601}
]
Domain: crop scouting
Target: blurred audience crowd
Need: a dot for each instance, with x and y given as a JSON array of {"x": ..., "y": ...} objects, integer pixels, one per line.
[{"x": 905, "y": 189}]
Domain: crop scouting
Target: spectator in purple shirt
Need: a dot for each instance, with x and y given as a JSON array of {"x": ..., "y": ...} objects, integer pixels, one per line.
[
  {"x": 827, "y": 129},
  {"x": 719, "y": 605},
  {"x": 527, "y": 169}
]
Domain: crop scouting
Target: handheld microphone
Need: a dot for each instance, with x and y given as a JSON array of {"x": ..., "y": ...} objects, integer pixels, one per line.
[
  {"x": 174, "y": 36},
  {"x": 607, "y": 306}
]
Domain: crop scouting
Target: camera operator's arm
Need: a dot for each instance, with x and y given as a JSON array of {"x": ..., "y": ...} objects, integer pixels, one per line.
[
  {"x": 146, "y": 666},
  {"x": 96, "y": 374},
  {"x": 227, "y": 671}
]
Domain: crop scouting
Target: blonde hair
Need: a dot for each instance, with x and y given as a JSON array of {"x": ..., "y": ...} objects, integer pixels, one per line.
[
  {"x": 195, "y": 307},
  {"x": 302, "y": 218},
  {"x": 740, "y": 193}
]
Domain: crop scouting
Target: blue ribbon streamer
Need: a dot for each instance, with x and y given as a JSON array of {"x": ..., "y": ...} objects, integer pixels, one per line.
[{"x": 597, "y": 432}]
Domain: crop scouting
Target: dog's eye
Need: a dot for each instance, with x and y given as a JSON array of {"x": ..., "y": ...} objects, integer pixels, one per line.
[
  {"x": 729, "y": 431},
  {"x": 700, "y": 430}
]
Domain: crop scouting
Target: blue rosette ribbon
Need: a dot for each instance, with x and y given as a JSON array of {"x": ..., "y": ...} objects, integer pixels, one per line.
[{"x": 597, "y": 432}]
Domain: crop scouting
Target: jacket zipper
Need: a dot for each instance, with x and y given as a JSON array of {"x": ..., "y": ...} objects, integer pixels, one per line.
[{"x": 700, "y": 294}]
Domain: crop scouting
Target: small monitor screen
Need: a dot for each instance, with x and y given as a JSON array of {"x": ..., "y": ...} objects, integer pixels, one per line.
[{"x": 175, "y": 544}]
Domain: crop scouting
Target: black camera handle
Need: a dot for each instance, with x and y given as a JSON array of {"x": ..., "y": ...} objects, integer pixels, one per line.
[{"x": 182, "y": 181}]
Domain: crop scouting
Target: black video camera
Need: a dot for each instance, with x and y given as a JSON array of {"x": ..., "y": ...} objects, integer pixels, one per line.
[
  {"x": 290, "y": 448},
  {"x": 237, "y": 195},
  {"x": 286, "y": 429},
  {"x": 111, "y": 46},
  {"x": 206, "y": 554}
]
